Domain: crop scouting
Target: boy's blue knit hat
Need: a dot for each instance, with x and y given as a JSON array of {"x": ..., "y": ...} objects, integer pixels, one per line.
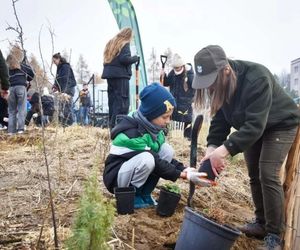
[{"x": 155, "y": 101}]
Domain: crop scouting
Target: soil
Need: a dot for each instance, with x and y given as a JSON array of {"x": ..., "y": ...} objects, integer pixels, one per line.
[{"x": 71, "y": 155}]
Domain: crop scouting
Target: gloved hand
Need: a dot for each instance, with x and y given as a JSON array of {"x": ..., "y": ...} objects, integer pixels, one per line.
[
  {"x": 35, "y": 115},
  {"x": 198, "y": 179}
]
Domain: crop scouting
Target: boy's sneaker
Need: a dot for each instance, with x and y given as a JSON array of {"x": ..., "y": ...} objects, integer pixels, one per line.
[
  {"x": 139, "y": 202},
  {"x": 148, "y": 199},
  {"x": 272, "y": 242},
  {"x": 254, "y": 229},
  {"x": 21, "y": 132},
  {"x": 11, "y": 134}
]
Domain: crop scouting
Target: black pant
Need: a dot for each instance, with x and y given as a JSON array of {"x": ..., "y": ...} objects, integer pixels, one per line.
[
  {"x": 118, "y": 98},
  {"x": 264, "y": 160}
]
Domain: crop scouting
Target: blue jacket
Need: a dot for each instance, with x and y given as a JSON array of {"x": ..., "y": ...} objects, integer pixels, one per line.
[
  {"x": 65, "y": 81},
  {"x": 120, "y": 66},
  {"x": 19, "y": 77}
]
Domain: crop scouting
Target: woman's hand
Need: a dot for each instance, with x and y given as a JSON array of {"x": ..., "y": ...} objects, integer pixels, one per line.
[{"x": 217, "y": 159}]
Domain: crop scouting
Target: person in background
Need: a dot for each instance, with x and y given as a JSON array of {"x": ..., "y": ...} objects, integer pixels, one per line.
[
  {"x": 65, "y": 84},
  {"x": 85, "y": 103},
  {"x": 3, "y": 113},
  {"x": 117, "y": 71},
  {"x": 139, "y": 154},
  {"x": 244, "y": 95},
  {"x": 19, "y": 75},
  {"x": 180, "y": 81},
  {"x": 35, "y": 111},
  {"x": 4, "y": 83},
  {"x": 4, "y": 78}
]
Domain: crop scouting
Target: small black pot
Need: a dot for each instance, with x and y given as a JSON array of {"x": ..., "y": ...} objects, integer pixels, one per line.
[
  {"x": 125, "y": 199},
  {"x": 167, "y": 202},
  {"x": 206, "y": 168}
]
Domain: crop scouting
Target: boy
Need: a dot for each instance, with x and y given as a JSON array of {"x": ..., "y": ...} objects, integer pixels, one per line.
[{"x": 139, "y": 155}]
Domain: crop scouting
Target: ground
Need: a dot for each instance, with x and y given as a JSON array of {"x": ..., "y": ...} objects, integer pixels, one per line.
[{"x": 71, "y": 154}]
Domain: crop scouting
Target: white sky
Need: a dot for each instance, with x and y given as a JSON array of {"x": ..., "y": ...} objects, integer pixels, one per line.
[{"x": 264, "y": 31}]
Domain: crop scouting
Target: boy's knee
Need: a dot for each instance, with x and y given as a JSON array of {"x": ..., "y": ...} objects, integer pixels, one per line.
[
  {"x": 166, "y": 152},
  {"x": 147, "y": 160}
]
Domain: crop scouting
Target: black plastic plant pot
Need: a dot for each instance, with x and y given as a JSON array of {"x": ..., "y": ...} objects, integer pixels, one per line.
[
  {"x": 199, "y": 233},
  {"x": 167, "y": 202},
  {"x": 125, "y": 199},
  {"x": 206, "y": 168}
]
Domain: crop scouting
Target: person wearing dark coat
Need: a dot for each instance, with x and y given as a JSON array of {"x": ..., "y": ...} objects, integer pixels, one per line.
[
  {"x": 19, "y": 75},
  {"x": 245, "y": 95},
  {"x": 180, "y": 81},
  {"x": 85, "y": 104},
  {"x": 65, "y": 84},
  {"x": 35, "y": 111},
  {"x": 3, "y": 74},
  {"x": 4, "y": 92},
  {"x": 117, "y": 71}
]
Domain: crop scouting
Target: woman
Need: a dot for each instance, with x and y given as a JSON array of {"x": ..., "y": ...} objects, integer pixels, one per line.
[
  {"x": 117, "y": 71},
  {"x": 19, "y": 74},
  {"x": 180, "y": 82},
  {"x": 64, "y": 83},
  {"x": 245, "y": 95}
]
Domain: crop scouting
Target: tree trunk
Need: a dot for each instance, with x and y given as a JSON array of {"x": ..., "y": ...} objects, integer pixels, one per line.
[{"x": 292, "y": 196}]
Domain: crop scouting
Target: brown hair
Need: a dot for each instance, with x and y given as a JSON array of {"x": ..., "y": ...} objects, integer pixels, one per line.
[
  {"x": 220, "y": 92},
  {"x": 13, "y": 62},
  {"x": 114, "y": 45},
  {"x": 60, "y": 58}
]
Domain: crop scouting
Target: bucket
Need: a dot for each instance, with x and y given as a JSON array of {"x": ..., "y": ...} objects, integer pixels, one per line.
[
  {"x": 167, "y": 202},
  {"x": 200, "y": 233},
  {"x": 125, "y": 199}
]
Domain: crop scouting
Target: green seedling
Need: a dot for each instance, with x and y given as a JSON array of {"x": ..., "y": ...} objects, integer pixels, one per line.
[{"x": 171, "y": 187}]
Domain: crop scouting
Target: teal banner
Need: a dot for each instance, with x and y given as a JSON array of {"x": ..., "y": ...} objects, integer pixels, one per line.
[{"x": 125, "y": 16}]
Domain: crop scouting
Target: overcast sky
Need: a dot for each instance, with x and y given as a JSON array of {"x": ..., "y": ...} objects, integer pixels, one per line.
[{"x": 264, "y": 31}]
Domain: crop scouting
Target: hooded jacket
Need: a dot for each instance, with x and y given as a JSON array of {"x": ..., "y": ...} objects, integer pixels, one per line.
[
  {"x": 65, "y": 81},
  {"x": 259, "y": 104},
  {"x": 120, "y": 66},
  {"x": 129, "y": 139}
]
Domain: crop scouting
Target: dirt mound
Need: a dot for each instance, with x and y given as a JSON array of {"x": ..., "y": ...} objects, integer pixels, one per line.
[{"x": 71, "y": 154}]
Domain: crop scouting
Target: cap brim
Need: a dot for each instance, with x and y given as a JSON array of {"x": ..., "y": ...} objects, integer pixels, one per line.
[{"x": 203, "y": 82}]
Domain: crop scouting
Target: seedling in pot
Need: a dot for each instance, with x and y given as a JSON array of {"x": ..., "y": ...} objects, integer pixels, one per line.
[{"x": 172, "y": 187}]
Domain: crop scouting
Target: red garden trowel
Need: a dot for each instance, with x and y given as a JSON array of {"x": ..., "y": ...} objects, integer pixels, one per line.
[
  {"x": 163, "y": 60},
  {"x": 193, "y": 161}
]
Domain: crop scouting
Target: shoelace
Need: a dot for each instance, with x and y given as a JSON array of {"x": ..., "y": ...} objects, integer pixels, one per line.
[{"x": 270, "y": 242}]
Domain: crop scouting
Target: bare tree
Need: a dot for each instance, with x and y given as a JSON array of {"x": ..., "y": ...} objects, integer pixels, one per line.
[
  {"x": 18, "y": 28},
  {"x": 82, "y": 70},
  {"x": 154, "y": 66}
]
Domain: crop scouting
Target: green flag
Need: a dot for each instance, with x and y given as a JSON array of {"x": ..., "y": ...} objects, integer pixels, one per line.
[{"x": 125, "y": 16}]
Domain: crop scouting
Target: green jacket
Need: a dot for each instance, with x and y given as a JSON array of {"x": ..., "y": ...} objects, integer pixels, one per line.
[
  {"x": 259, "y": 104},
  {"x": 3, "y": 73}
]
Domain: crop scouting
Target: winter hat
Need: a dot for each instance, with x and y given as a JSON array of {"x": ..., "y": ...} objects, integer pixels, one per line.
[
  {"x": 177, "y": 61},
  {"x": 208, "y": 62},
  {"x": 155, "y": 101}
]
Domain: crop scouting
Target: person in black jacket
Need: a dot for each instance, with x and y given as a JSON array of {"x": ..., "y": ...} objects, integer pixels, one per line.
[
  {"x": 85, "y": 104},
  {"x": 35, "y": 111},
  {"x": 65, "y": 84},
  {"x": 180, "y": 82},
  {"x": 4, "y": 92},
  {"x": 117, "y": 71},
  {"x": 245, "y": 95},
  {"x": 19, "y": 75},
  {"x": 3, "y": 76}
]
